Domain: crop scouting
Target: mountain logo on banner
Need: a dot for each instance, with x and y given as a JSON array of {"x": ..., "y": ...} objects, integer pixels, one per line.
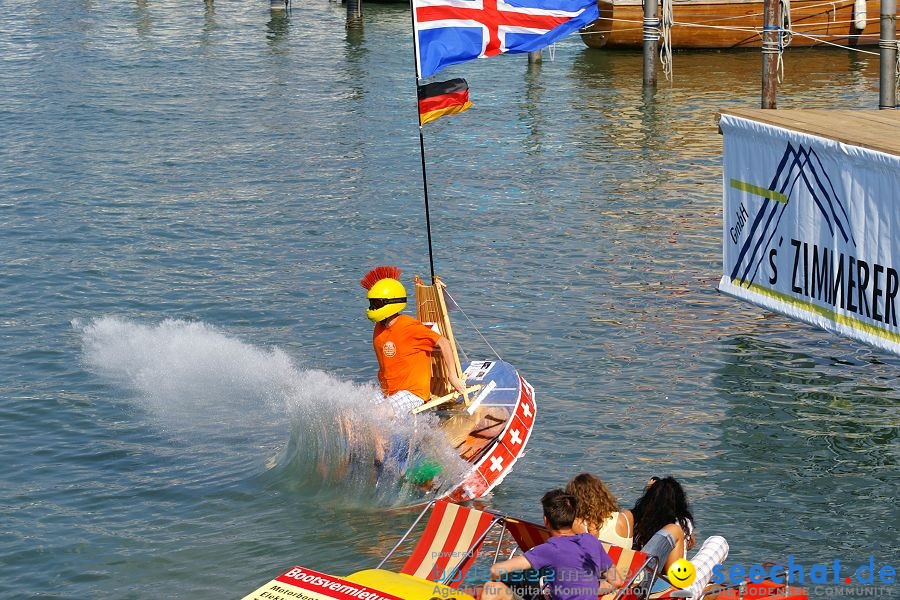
[{"x": 798, "y": 167}]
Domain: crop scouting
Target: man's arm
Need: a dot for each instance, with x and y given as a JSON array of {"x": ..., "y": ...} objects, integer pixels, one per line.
[
  {"x": 447, "y": 353},
  {"x": 517, "y": 563}
]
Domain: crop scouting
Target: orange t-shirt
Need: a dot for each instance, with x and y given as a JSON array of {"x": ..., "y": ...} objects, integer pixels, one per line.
[{"x": 404, "y": 359}]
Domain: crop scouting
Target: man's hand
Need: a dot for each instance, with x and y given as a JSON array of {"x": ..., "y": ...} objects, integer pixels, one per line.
[{"x": 460, "y": 386}]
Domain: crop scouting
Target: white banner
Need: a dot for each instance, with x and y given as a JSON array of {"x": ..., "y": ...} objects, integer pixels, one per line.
[{"x": 812, "y": 230}]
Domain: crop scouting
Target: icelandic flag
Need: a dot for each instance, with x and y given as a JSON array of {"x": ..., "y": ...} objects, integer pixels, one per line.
[{"x": 454, "y": 31}]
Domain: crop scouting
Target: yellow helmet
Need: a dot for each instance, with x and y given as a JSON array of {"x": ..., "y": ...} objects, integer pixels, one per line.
[{"x": 386, "y": 298}]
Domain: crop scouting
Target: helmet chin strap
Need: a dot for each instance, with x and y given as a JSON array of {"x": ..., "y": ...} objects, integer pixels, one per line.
[{"x": 388, "y": 320}]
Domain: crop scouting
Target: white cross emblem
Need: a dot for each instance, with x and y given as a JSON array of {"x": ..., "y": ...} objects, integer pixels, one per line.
[
  {"x": 514, "y": 438},
  {"x": 496, "y": 463},
  {"x": 527, "y": 409}
]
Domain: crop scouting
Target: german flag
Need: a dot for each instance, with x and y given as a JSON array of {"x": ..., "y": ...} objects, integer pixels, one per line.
[{"x": 442, "y": 98}]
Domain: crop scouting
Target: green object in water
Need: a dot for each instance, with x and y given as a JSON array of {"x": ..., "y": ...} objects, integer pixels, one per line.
[{"x": 423, "y": 472}]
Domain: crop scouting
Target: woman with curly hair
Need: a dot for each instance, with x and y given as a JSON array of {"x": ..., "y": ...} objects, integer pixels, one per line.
[
  {"x": 663, "y": 523},
  {"x": 597, "y": 511}
]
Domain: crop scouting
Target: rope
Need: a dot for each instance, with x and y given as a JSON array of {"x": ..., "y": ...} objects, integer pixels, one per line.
[
  {"x": 552, "y": 51},
  {"x": 651, "y": 30},
  {"x": 816, "y": 24},
  {"x": 784, "y": 36},
  {"x": 472, "y": 324},
  {"x": 815, "y": 37},
  {"x": 731, "y": 28},
  {"x": 787, "y": 26},
  {"x": 771, "y": 46},
  {"x": 665, "y": 50}
]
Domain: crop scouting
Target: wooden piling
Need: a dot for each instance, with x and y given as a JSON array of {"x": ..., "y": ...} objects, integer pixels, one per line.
[
  {"x": 887, "y": 98},
  {"x": 771, "y": 18},
  {"x": 535, "y": 57},
  {"x": 354, "y": 14},
  {"x": 651, "y": 41}
]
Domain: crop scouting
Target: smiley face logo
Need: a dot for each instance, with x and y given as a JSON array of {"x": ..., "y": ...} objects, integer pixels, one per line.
[
  {"x": 682, "y": 573},
  {"x": 389, "y": 349}
]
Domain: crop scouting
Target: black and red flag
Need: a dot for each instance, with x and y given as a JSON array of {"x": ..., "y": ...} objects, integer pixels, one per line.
[{"x": 442, "y": 98}]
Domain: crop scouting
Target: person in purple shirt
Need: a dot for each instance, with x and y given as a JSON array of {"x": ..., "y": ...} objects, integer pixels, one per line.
[{"x": 575, "y": 562}]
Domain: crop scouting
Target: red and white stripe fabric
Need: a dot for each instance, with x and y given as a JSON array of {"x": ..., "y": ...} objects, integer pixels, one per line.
[{"x": 450, "y": 543}]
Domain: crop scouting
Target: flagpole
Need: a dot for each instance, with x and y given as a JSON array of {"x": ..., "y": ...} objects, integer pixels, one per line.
[{"x": 412, "y": 11}]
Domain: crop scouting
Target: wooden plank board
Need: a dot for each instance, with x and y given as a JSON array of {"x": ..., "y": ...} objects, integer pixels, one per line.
[
  {"x": 873, "y": 129},
  {"x": 470, "y": 434}
]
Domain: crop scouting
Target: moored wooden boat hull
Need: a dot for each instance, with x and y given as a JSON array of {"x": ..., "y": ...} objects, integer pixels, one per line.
[{"x": 735, "y": 24}]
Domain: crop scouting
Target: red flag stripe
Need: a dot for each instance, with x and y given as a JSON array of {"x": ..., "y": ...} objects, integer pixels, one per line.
[{"x": 443, "y": 101}]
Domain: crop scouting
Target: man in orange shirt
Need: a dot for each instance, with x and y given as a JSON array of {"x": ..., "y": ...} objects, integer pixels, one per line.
[
  {"x": 403, "y": 347},
  {"x": 402, "y": 344}
]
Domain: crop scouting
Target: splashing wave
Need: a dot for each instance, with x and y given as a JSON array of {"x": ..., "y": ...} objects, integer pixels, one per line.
[{"x": 315, "y": 433}]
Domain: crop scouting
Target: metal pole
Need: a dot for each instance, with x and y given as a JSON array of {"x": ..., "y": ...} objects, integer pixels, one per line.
[
  {"x": 427, "y": 210},
  {"x": 412, "y": 10},
  {"x": 888, "y": 46},
  {"x": 651, "y": 41},
  {"x": 354, "y": 14},
  {"x": 770, "y": 53},
  {"x": 535, "y": 57}
]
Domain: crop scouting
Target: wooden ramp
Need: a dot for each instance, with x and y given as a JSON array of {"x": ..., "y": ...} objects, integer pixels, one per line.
[{"x": 877, "y": 130}]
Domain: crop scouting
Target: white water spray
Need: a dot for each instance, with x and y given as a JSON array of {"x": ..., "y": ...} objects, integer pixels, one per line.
[{"x": 318, "y": 432}]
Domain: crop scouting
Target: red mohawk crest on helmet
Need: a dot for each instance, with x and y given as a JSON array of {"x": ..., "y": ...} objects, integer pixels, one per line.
[{"x": 379, "y": 273}]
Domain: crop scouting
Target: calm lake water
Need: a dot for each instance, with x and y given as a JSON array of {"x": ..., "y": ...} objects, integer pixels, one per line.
[{"x": 189, "y": 195}]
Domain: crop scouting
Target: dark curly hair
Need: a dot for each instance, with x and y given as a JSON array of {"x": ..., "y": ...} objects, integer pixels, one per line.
[{"x": 663, "y": 502}]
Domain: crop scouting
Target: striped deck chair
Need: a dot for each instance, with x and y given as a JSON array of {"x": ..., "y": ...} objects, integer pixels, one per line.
[
  {"x": 527, "y": 535},
  {"x": 635, "y": 567},
  {"x": 630, "y": 564},
  {"x": 450, "y": 543}
]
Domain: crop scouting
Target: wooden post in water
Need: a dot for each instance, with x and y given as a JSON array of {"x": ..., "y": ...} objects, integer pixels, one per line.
[
  {"x": 770, "y": 54},
  {"x": 888, "y": 45},
  {"x": 278, "y": 4},
  {"x": 354, "y": 14},
  {"x": 651, "y": 41},
  {"x": 535, "y": 57}
]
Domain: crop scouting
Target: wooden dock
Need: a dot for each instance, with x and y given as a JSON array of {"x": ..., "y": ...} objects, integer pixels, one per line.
[
  {"x": 811, "y": 228},
  {"x": 872, "y": 129}
]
